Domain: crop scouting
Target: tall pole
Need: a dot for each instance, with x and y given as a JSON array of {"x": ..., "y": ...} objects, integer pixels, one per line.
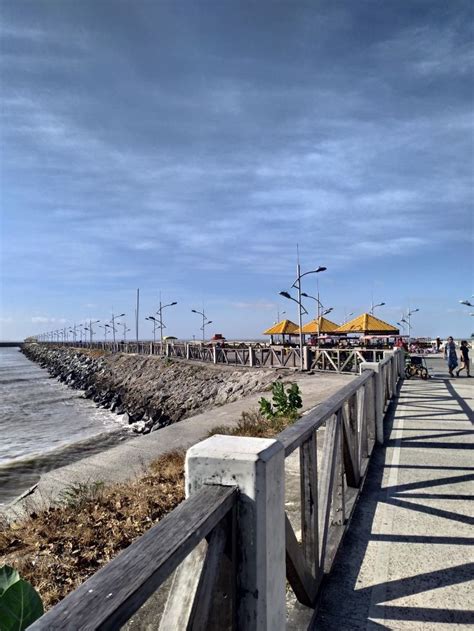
[
  {"x": 161, "y": 324},
  {"x": 300, "y": 316},
  {"x": 137, "y": 312},
  {"x": 319, "y": 311}
]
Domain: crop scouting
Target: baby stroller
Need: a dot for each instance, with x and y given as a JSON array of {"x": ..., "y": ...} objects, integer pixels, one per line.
[{"x": 416, "y": 367}]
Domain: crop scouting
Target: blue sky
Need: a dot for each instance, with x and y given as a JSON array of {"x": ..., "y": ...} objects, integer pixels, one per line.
[{"x": 186, "y": 147}]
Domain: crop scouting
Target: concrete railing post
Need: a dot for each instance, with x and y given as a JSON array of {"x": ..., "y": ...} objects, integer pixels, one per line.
[
  {"x": 378, "y": 396},
  {"x": 251, "y": 356},
  {"x": 168, "y": 350},
  {"x": 257, "y": 467},
  {"x": 214, "y": 354},
  {"x": 188, "y": 353},
  {"x": 306, "y": 361}
]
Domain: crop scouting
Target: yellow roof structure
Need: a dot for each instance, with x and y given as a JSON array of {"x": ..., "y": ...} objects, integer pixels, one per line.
[
  {"x": 325, "y": 326},
  {"x": 367, "y": 324},
  {"x": 285, "y": 327}
]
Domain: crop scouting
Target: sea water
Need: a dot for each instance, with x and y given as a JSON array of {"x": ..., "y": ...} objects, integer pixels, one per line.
[{"x": 45, "y": 424}]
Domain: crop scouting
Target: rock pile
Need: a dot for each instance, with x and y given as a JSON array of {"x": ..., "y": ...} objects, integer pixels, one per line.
[{"x": 153, "y": 392}]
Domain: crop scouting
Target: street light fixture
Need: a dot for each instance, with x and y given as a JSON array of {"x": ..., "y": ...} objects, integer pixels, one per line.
[
  {"x": 321, "y": 310},
  {"x": 205, "y": 322},
  {"x": 156, "y": 323},
  {"x": 160, "y": 313},
  {"x": 297, "y": 285},
  {"x": 466, "y": 302},
  {"x": 409, "y": 314},
  {"x": 113, "y": 323},
  {"x": 285, "y": 294},
  {"x": 372, "y": 307},
  {"x": 91, "y": 330}
]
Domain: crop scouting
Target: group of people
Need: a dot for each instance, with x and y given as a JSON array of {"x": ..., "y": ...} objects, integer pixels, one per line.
[{"x": 451, "y": 357}]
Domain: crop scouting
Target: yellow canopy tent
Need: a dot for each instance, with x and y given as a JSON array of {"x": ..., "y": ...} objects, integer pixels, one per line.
[
  {"x": 325, "y": 326},
  {"x": 368, "y": 325},
  {"x": 285, "y": 327}
]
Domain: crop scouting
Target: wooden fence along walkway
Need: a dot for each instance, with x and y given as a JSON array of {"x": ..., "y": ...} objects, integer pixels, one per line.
[
  {"x": 250, "y": 355},
  {"x": 232, "y": 530}
]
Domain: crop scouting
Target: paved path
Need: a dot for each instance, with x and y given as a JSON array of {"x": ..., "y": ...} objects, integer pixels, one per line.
[{"x": 407, "y": 561}]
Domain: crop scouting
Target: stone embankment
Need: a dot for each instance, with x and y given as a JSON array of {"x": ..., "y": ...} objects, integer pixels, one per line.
[{"x": 153, "y": 392}]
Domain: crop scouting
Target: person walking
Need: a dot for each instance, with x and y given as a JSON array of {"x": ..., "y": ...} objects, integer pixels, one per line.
[
  {"x": 450, "y": 355},
  {"x": 464, "y": 359}
]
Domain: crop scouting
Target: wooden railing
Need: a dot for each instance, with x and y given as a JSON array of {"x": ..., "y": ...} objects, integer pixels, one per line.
[
  {"x": 342, "y": 360},
  {"x": 235, "y": 500},
  {"x": 111, "y": 596}
]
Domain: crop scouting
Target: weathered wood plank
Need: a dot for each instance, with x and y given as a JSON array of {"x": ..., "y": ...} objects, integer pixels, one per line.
[
  {"x": 338, "y": 504},
  {"x": 309, "y": 503},
  {"x": 112, "y": 595},
  {"x": 298, "y": 433},
  {"x": 199, "y": 618},
  {"x": 349, "y": 449},
  {"x": 362, "y": 424},
  {"x": 183, "y": 590},
  {"x": 302, "y": 583},
  {"x": 326, "y": 483}
]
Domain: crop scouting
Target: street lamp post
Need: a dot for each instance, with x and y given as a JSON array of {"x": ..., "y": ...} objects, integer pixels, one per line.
[
  {"x": 204, "y": 322},
  {"x": 409, "y": 314},
  {"x": 297, "y": 285},
  {"x": 372, "y": 307},
  {"x": 347, "y": 316},
  {"x": 114, "y": 317},
  {"x": 155, "y": 324},
  {"x": 160, "y": 313},
  {"x": 321, "y": 311},
  {"x": 91, "y": 330}
]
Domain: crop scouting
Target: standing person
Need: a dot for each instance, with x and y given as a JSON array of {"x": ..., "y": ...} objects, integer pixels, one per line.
[
  {"x": 438, "y": 344},
  {"x": 464, "y": 358},
  {"x": 450, "y": 355}
]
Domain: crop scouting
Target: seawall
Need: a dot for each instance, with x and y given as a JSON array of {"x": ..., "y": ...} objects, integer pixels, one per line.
[{"x": 152, "y": 392}]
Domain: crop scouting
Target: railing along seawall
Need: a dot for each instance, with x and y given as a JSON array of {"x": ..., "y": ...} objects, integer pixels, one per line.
[
  {"x": 231, "y": 541},
  {"x": 249, "y": 355}
]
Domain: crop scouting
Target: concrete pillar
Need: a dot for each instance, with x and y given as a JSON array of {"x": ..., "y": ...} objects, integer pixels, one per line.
[
  {"x": 306, "y": 360},
  {"x": 188, "y": 355},
  {"x": 251, "y": 356},
  {"x": 168, "y": 350},
  {"x": 214, "y": 354},
  {"x": 257, "y": 467},
  {"x": 378, "y": 392}
]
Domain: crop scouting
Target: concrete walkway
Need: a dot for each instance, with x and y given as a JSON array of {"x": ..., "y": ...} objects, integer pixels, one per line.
[{"x": 407, "y": 561}]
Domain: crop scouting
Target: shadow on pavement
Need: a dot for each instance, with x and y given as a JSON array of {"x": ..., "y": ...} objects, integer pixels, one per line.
[{"x": 345, "y": 603}]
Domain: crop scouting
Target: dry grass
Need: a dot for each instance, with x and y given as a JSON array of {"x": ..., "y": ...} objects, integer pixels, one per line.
[
  {"x": 57, "y": 549},
  {"x": 254, "y": 424}
]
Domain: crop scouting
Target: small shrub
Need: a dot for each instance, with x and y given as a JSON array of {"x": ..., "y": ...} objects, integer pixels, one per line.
[
  {"x": 76, "y": 495},
  {"x": 284, "y": 403}
]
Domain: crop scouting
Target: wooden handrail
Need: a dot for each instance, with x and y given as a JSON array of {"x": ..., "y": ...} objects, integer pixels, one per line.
[
  {"x": 112, "y": 595},
  {"x": 295, "y": 435}
]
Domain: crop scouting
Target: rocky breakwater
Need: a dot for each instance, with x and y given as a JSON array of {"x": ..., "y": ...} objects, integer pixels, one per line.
[{"x": 153, "y": 392}]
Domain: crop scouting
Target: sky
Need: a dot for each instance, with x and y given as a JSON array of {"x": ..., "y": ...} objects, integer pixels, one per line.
[{"x": 188, "y": 147}]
